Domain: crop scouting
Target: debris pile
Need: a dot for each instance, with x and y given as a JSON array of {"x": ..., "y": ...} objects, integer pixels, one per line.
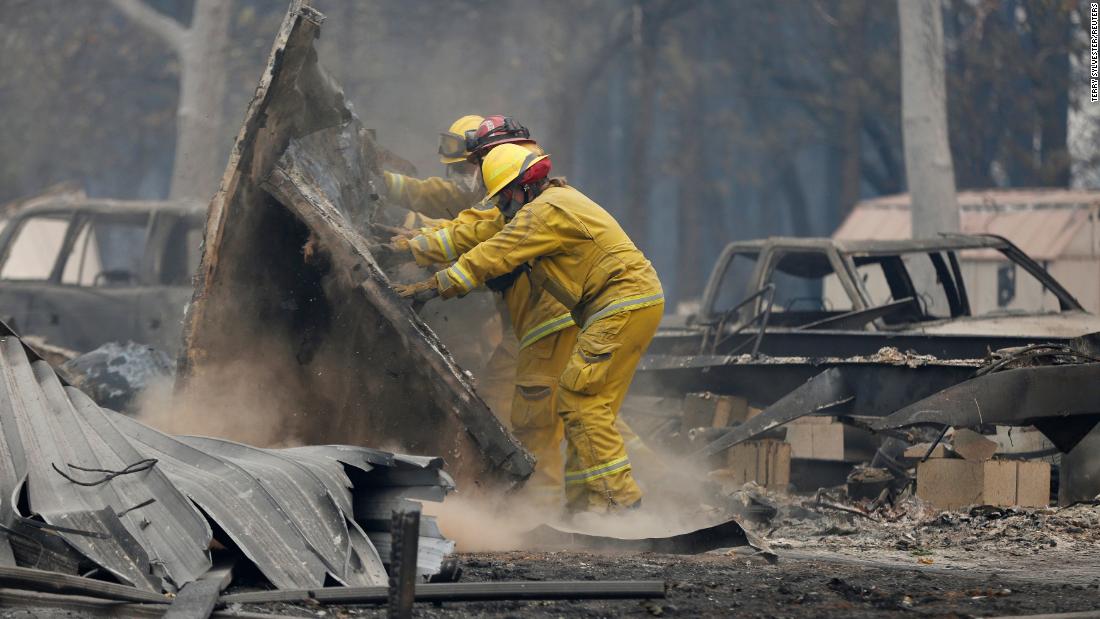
[
  {"x": 88, "y": 490},
  {"x": 116, "y": 373},
  {"x": 907, "y": 528}
]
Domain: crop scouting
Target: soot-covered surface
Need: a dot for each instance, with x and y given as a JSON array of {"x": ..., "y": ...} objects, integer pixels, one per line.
[{"x": 288, "y": 286}]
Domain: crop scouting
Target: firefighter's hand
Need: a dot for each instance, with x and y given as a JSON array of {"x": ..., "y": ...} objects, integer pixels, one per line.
[
  {"x": 394, "y": 231},
  {"x": 420, "y": 291},
  {"x": 401, "y": 243},
  {"x": 392, "y": 249}
]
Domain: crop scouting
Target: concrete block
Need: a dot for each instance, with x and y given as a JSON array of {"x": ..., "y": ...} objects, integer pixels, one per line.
[
  {"x": 951, "y": 483},
  {"x": 767, "y": 462}
]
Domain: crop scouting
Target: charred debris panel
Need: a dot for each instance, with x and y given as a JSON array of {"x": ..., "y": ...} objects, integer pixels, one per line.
[{"x": 288, "y": 286}]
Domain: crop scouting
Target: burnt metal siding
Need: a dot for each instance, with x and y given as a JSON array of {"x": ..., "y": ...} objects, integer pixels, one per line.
[
  {"x": 42, "y": 430},
  {"x": 290, "y": 511},
  {"x": 182, "y": 534},
  {"x": 306, "y": 499},
  {"x": 1060, "y": 400},
  {"x": 238, "y": 502}
]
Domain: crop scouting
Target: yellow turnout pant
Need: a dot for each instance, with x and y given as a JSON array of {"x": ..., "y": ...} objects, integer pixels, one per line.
[
  {"x": 535, "y": 421},
  {"x": 592, "y": 388},
  {"x": 497, "y": 379}
]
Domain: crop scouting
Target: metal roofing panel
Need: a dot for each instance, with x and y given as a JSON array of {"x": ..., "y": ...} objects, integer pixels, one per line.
[
  {"x": 180, "y": 539},
  {"x": 284, "y": 509},
  {"x": 34, "y": 425},
  {"x": 307, "y": 501},
  {"x": 331, "y": 471},
  {"x": 238, "y": 502}
]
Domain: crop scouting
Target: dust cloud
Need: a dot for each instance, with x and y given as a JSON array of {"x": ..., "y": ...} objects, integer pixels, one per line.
[
  {"x": 238, "y": 401},
  {"x": 673, "y": 504}
]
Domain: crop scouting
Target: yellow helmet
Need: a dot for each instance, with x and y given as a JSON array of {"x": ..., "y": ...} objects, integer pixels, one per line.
[
  {"x": 504, "y": 164},
  {"x": 452, "y": 142}
]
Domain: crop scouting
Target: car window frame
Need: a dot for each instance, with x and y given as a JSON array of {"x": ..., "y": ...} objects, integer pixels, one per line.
[
  {"x": 707, "y": 314},
  {"x": 84, "y": 218},
  {"x": 15, "y": 227},
  {"x": 840, "y": 268}
]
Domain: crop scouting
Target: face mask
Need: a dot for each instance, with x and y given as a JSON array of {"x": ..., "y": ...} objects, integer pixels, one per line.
[
  {"x": 509, "y": 201},
  {"x": 466, "y": 181}
]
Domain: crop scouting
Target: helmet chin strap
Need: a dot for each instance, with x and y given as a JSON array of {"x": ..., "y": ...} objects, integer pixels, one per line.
[{"x": 518, "y": 198}]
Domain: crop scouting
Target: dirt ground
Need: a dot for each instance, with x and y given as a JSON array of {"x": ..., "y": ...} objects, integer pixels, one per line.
[
  {"x": 800, "y": 584},
  {"x": 913, "y": 560}
]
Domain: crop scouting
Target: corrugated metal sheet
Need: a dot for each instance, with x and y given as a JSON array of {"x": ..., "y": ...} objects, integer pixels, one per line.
[
  {"x": 1042, "y": 223},
  {"x": 292, "y": 512},
  {"x": 308, "y": 502},
  {"x": 45, "y": 437}
]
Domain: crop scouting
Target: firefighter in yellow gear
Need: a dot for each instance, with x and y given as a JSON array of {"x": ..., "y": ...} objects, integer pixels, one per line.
[
  {"x": 436, "y": 201},
  {"x": 441, "y": 197},
  {"x": 572, "y": 248},
  {"x": 547, "y": 334},
  {"x": 514, "y": 382}
]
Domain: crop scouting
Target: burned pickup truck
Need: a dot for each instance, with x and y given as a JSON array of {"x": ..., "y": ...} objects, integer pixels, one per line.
[
  {"x": 79, "y": 273},
  {"x": 869, "y": 328}
]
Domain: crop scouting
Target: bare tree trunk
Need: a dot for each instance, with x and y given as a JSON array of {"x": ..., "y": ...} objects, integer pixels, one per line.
[
  {"x": 928, "y": 163},
  {"x": 199, "y": 115},
  {"x": 1051, "y": 29},
  {"x": 202, "y": 96},
  {"x": 694, "y": 195},
  {"x": 853, "y": 18},
  {"x": 645, "y": 41}
]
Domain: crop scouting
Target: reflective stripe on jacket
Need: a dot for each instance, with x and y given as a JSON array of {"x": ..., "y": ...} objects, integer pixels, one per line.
[
  {"x": 434, "y": 197},
  {"x": 532, "y": 318},
  {"x": 578, "y": 253}
]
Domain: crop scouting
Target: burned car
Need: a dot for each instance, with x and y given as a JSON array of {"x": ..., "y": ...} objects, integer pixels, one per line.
[
  {"x": 869, "y": 328},
  {"x": 821, "y": 297},
  {"x": 81, "y": 273}
]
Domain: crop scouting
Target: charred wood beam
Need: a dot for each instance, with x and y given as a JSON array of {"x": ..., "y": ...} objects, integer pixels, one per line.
[
  {"x": 822, "y": 392},
  {"x": 468, "y": 592},
  {"x": 1060, "y": 400},
  {"x": 52, "y": 582},
  {"x": 403, "y": 550}
]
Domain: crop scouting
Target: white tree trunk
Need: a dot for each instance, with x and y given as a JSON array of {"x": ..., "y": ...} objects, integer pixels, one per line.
[
  {"x": 928, "y": 165},
  {"x": 199, "y": 115},
  {"x": 201, "y": 101}
]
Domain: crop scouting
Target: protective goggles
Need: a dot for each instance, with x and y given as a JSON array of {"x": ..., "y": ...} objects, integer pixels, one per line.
[{"x": 452, "y": 144}]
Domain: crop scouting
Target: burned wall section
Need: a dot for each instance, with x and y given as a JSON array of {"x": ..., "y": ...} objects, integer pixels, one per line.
[{"x": 293, "y": 316}]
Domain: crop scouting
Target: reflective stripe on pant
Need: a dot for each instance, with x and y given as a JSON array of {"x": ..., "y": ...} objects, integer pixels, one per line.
[
  {"x": 535, "y": 421},
  {"x": 592, "y": 388}
]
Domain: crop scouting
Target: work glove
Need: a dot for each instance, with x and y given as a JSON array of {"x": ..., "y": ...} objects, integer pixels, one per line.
[
  {"x": 395, "y": 232},
  {"x": 420, "y": 291},
  {"x": 395, "y": 249}
]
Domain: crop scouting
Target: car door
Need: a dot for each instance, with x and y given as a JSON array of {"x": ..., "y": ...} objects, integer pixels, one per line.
[{"x": 96, "y": 295}]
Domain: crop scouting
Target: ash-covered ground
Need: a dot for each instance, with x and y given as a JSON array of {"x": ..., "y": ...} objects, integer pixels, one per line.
[{"x": 906, "y": 558}]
